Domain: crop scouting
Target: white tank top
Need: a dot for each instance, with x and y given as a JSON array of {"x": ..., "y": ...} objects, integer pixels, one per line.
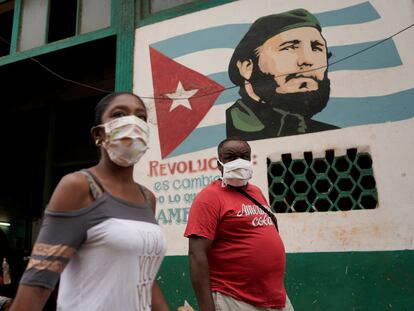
[
  {"x": 113, "y": 250},
  {"x": 114, "y": 269}
]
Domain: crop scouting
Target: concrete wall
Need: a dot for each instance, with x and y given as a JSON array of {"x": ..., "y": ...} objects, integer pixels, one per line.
[{"x": 350, "y": 260}]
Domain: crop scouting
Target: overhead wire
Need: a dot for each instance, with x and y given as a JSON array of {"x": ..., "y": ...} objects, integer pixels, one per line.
[
  {"x": 56, "y": 74},
  {"x": 162, "y": 97}
]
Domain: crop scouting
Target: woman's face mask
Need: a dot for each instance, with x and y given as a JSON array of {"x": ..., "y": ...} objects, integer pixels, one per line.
[
  {"x": 126, "y": 140},
  {"x": 237, "y": 173}
]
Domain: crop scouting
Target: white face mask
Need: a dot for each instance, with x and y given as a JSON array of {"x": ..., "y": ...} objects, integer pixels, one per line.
[
  {"x": 237, "y": 173},
  {"x": 126, "y": 139}
]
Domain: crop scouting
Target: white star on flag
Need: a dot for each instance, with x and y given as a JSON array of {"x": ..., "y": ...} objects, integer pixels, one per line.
[{"x": 180, "y": 97}]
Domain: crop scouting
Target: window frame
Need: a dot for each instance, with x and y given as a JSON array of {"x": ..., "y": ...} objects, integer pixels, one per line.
[
  {"x": 78, "y": 38},
  {"x": 126, "y": 16},
  {"x": 145, "y": 17}
]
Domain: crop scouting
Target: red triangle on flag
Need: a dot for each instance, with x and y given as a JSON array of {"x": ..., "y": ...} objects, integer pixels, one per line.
[{"x": 182, "y": 99}]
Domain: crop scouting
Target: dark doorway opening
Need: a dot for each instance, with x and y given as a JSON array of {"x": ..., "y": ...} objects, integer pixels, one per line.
[
  {"x": 6, "y": 26},
  {"x": 45, "y": 126}
]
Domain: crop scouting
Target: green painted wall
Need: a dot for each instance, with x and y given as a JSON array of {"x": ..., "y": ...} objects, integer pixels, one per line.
[{"x": 351, "y": 281}]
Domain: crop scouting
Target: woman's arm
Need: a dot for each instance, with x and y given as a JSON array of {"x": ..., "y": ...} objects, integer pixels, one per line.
[
  {"x": 30, "y": 298},
  {"x": 158, "y": 301},
  {"x": 71, "y": 193}
]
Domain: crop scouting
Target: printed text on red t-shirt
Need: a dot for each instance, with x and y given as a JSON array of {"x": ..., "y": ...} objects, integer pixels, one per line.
[{"x": 260, "y": 220}]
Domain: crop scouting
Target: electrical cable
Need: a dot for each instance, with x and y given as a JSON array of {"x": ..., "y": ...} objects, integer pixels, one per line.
[{"x": 58, "y": 75}]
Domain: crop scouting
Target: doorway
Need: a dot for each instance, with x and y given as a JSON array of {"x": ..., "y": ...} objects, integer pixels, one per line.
[{"x": 45, "y": 135}]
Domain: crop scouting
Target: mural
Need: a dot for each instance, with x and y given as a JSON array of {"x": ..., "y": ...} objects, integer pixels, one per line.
[
  {"x": 216, "y": 95},
  {"x": 333, "y": 72},
  {"x": 281, "y": 66}
]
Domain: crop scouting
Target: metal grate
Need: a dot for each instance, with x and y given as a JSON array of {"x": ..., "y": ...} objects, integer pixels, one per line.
[{"x": 330, "y": 183}]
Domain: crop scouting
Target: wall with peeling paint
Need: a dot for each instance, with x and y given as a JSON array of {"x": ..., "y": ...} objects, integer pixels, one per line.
[{"x": 344, "y": 260}]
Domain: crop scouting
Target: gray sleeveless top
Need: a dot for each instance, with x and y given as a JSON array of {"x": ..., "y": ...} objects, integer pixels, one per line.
[{"x": 108, "y": 254}]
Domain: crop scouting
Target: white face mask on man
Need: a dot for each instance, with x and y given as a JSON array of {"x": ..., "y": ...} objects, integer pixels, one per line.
[
  {"x": 126, "y": 139},
  {"x": 237, "y": 172}
]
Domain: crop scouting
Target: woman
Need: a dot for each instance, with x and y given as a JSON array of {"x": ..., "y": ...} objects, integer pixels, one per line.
[{"x": 99, "y": 229}]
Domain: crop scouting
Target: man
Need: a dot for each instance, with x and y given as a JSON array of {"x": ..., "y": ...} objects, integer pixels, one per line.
[
  {"x": 237, "y": 258},
  {"x": 281, "y": 67}
]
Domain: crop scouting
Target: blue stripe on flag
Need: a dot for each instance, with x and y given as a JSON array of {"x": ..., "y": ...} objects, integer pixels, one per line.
[
  {"x": 356, "y": 14},
  {"x": 221, "y": 78},
  {"x": 342, "y": 112},
  {"x": 228, "y": 36},
  {"x": 228, "y": 96},
  {"x": 381, "y": 56},
  {"x": 201, "y": 138}
]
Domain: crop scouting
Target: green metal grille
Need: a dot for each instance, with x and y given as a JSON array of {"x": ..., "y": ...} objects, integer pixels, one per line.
[{"x": 331, "y": 183}]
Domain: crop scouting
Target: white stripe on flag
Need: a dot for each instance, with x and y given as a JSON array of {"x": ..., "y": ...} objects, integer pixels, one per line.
[
  {"x": 207, "y": 61},
  {"x": 215, "y": 116},
  {"x": 375, "y": 82}
]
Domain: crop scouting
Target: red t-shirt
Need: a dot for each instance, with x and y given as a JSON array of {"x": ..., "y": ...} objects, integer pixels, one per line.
[{"x": 247, "y": 257}]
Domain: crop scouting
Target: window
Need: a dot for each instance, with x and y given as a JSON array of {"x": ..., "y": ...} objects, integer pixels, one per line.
[
  {"x": 44, "y": 21},
  {"x": 153, "y": 11},
  {"x": 95, "y": 14},
  {"x": 33, "y": 24},
  {"x": 6, "y": 26},
  {"x": 62, "y": 19},
  {"x": 330, "y": 183},
  {"x": 160, "y": 5}
]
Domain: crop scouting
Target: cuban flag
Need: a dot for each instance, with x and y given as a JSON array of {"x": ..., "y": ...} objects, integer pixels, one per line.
[
  {"x": 184, "y": 97},
  {"x": 191, "y": 88}
]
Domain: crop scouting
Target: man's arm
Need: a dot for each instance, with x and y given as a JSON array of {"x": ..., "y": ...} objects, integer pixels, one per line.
[
  {"x": 199, "y": 271},
  {"x": 158, "y": 301}
]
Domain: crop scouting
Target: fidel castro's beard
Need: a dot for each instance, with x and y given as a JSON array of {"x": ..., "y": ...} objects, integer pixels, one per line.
[{"x": 306, "y": 104}]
